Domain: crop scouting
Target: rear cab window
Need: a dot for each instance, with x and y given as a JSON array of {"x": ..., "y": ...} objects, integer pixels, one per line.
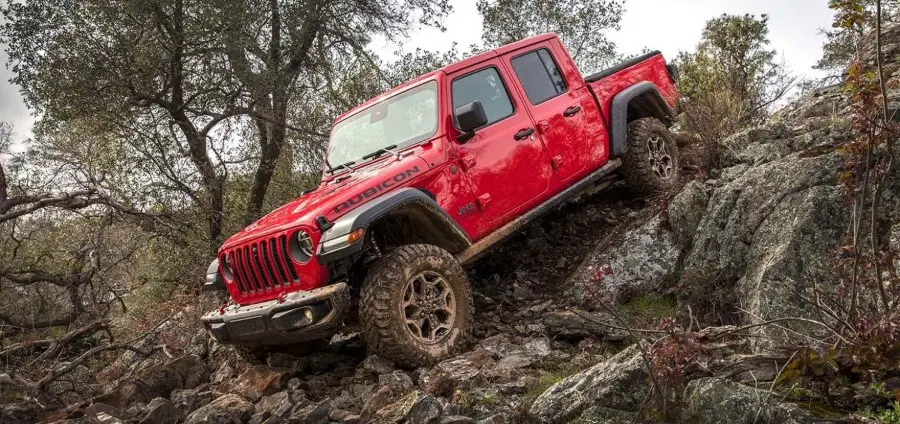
[
  {"x": 486, "y": 86},
  {"x": 539, "y": 75}
]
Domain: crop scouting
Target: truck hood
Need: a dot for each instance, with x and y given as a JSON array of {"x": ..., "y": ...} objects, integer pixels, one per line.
[{"x": 335, "y": 198}]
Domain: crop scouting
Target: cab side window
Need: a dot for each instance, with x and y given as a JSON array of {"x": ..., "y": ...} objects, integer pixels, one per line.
[
  {"x": 539, "y": 75},
  {"x": 487, "y": 87}
]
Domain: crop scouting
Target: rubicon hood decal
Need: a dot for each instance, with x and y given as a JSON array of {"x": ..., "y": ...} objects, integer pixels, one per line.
[{"x": 372, "y": 191}]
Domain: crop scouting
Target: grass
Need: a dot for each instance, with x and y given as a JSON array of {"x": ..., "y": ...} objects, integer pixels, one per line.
[{"x": 645, "y": 311}]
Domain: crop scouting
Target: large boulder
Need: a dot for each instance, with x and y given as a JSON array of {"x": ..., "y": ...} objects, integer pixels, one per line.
[
  {"x": 615, "y": 387},
  {"x": 716, "y": 401},
  {"x": 637, "y": 262},
  {"x": 768, "y": 232}
]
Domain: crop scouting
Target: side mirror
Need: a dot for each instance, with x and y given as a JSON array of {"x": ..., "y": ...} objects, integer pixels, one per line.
[{"x": 470, "y": 116}]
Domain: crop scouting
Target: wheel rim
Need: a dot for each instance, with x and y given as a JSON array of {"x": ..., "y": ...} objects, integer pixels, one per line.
[
  {"x": 429, "y": 307},
  {"x": 660, "y": 160}
]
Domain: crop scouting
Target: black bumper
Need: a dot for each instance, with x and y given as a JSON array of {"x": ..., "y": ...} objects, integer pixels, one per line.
[{"x": 300, "y": 317}]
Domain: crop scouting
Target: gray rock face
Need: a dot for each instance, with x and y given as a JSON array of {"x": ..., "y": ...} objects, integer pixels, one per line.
[
  {"x": 639, "y": 263},
  {"x": 715, "y": 401},
  {"x": 228, "y": 409},
  {"x": 770, "y": 230},
  {"x": 685, "y": 211},
  {"x": 617, "y": 384}
]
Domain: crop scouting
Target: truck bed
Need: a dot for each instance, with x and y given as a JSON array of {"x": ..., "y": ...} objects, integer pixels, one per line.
[{"x": 627, "y": 64}]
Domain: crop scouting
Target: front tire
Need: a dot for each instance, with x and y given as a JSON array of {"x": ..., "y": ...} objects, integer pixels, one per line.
[
  {"x": 652, "y": 162},
  {"x": 416, "y": 306}
]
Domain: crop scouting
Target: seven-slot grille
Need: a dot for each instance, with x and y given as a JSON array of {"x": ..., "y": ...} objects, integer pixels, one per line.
[{"x": 262, "y": 265}]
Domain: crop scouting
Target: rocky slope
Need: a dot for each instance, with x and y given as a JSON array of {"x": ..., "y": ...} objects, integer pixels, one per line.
[{"x": 741, "y": 248}]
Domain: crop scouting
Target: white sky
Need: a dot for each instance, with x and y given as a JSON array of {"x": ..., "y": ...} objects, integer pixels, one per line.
[{"x": 665, "y": 25}]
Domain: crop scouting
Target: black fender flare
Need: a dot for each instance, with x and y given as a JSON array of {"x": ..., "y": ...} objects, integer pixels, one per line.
[
  {"x": 619, "y": 112},
  {"x": 333, "y": 245}
]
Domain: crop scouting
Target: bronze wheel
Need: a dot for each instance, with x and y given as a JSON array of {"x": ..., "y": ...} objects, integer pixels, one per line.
[
  {"x": 429, "y": 307},
  {"x": 660, "y": 160}
]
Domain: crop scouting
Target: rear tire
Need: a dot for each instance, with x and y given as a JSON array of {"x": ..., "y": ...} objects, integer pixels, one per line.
[
  {"x": 416, "y": 306},
  {"x": 652, "y": 162}
]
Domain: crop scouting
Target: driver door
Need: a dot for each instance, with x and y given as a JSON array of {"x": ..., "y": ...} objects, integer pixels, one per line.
[{"x": 505, "y": 161}]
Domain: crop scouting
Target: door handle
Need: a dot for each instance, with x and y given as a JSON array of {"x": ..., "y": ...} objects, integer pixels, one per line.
[
  {"x": 524, "y": 133},
  {"x": 572, "y": 111}
]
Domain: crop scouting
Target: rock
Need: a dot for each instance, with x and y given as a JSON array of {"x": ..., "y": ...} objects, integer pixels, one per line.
[
  {"x": 20, "y": 412},
  {"x": 277, "y": 405},
  {"x": 459, "y": 372},
  {"x": 104, "y": 418},
  {"x": 157, "y": 378},
  {"x": 793, "y": 247},
  {"x": 619, "y": 383},
  {"x": 639, "y": 262},
  {"x": 378, "y": 365},
  {"x": 227, "y": 409},
  {"x": 758, "y": 145},
  {"x": 685, "y": 211},
  {"x": 414, "y": 408},
  {"x": 381, "y": 397},
  {"x": 314, "y": 413},
  {"x": 498, "y": 345},
  {"x": 713, "y": 401},
  {"x": 259, "y": 381},
  {"x": 191, "y": 369},
  {"x": 601, "y": 415},
  {"x": 222, "y": 374},
  {"x": 397, "y": 380},
  {"x": 325, "y": 361},
  {"x": 199, "y": 345},
  {"x": 190, "y": 399},
  {"x": 578, "y": 324},
  {"x": 342, "y": 416},
  {"x": 101, "y": 411},
  {"x": 767, "y": 231},
  {"x": 161, "y": 411},
  {"x": 284, "y": 360},
  {"x": 456, "y": 419}
]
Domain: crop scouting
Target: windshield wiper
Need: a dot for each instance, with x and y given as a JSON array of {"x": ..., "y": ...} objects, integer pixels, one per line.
[
  {"x": 382, "y": 151},
  {"x": 334, "y": 169}
]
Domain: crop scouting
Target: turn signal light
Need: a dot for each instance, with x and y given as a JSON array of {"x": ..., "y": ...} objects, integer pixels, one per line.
[{"x": 356, "y": 235}]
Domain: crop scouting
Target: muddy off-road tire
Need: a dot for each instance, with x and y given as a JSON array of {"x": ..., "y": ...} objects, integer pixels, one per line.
[
  {"x": 416, "y": 306},
  {"x": 651, "y": 160}
]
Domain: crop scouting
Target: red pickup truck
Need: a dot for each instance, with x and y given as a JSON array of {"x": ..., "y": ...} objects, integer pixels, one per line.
[{"x": 422, "y": 179}]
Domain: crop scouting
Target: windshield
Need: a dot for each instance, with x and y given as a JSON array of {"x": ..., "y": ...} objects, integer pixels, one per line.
[{"x": 399, "y": 121}]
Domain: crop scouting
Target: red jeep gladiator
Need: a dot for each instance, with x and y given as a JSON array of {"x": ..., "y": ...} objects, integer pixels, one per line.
[{"x": 422, "y": 179}]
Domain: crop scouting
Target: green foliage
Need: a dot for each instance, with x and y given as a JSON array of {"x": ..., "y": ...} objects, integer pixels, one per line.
[
  {"x": 579, "y": 23},
  {"x": 842, "y": 40},
  {"x": 733, "y": 72},
  {"x": 890, "y": 415}
]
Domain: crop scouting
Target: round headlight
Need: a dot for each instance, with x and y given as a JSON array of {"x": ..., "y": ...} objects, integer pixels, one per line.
[{"x": 303, "y": 244}]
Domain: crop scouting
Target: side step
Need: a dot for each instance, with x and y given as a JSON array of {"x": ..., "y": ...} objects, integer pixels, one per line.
[{"x": 479, "y": 247}]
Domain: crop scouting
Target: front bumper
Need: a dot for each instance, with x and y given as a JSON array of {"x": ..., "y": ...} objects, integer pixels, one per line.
[{"x": 296, "y": 317}]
